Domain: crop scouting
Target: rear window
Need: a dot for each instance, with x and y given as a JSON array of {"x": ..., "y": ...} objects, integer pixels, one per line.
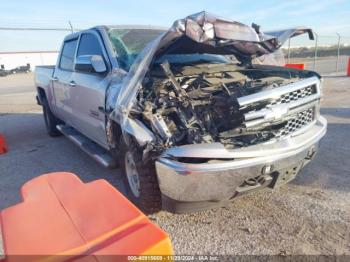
[{"x": 67, "y": 55}]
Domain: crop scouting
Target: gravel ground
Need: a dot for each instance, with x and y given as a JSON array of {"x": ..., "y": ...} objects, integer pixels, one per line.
[{"x": 310, "y": 215}]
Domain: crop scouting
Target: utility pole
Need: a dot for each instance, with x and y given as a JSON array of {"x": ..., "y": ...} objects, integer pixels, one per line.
[
  {"x": 288, "y": 50},
  {"x": 338, "y": 53},
  {"x": 71, "y": 27},
  {"x": 315, "y": 55}
]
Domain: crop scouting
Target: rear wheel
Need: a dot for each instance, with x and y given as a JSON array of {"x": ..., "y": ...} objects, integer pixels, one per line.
[
  {"x": 50, "y": 120},
  {"x": 140, "y": 179}
]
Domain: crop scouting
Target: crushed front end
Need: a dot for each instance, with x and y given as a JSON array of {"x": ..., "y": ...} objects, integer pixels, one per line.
[
  {"x": 216, "y": 124},
  {"x": 213, "y": 172},
  {"x": 227, "y": 130}
]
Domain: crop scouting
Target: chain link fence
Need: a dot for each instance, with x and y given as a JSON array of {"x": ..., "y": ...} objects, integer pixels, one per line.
[{"x": 326, "y": 54}]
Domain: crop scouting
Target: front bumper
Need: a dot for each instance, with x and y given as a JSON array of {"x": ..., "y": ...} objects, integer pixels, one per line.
[{"x": 220, "y": 179}]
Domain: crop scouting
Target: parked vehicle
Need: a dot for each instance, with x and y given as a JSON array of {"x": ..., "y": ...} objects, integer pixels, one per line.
[
  {"x": 3, "y": 72},
  {"x": 20, "y": 69},
  {"x": 189, "y": 116}
]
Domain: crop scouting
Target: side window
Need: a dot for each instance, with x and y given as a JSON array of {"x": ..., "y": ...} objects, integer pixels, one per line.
[
  {"x": 89, "y": 45},
  {"x": 67, "y": 56}
]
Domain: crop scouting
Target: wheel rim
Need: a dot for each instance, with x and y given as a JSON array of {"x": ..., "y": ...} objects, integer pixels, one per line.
[{"x": 132, "y": 174}]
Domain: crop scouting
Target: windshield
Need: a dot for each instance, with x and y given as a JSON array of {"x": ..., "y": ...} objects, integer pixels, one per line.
[
  {"x": 128, "y": 43},
  {"x": 276, "y": 58},
  {"x": 193, "y": 58}
]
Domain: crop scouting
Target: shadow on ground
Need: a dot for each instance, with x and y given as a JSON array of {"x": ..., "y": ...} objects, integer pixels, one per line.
[
  {"x": 32, "y": 153},
  {"x": 336, "y": 112},
  {"x": 330, "y": 168}
]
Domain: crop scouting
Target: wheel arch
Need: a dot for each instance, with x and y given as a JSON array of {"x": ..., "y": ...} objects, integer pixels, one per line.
[{"x": 41, "y": 95}]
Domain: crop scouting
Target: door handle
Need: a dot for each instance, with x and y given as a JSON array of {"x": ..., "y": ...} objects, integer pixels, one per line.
[
  {"x": 72, "y": 83},
  {"x": 102, "y": 110},
  {"x": 55, "y": 78}
]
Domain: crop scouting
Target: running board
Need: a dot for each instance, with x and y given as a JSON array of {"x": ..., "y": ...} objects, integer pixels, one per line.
[{"x": 92, "y": 149}]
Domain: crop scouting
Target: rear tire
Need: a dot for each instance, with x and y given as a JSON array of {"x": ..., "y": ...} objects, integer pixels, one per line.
[
  {"x": 142, "y": 190},
  {"x": 50, "y": 120}
]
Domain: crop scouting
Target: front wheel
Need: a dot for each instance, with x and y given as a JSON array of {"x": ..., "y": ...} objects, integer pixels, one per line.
[{"x": 140, "y": 179}]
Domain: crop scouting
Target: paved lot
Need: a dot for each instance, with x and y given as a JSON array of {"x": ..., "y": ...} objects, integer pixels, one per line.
[
  {"x": 324, "y": 65},
  {"x": 311, "y": 215}
]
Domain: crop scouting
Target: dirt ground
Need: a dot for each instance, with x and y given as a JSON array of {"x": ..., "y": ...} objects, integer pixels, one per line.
[{"x": 310, "y": 215}]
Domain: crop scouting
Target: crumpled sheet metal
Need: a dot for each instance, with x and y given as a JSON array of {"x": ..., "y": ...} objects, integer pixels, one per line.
[
  {"x": 203, "y": 28},
  {"x": 284, "y": 35}
]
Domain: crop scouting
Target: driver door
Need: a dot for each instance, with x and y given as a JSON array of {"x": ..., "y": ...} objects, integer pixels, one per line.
[{"x": 88, "y": 92}]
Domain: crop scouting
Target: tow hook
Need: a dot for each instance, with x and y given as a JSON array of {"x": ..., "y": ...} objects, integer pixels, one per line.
[
  {"x": 311, "y": 153},
  {"x": 255, "y": 183}
]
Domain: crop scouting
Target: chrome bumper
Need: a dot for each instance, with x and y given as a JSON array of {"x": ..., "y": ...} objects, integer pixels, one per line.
[{"x": 219, "y": 180}]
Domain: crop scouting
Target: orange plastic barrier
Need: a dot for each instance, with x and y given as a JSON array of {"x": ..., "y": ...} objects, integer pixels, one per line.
[
  {"x": 297, "y": 66},
  {"x": 349, "y": 67},
  {"x": 61, "y": 219},
  {"x": 3, "y": 147}
]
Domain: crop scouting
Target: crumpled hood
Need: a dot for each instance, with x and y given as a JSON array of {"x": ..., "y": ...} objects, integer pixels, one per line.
[
  {"x": 206, "y": 33},
  {"x": 200, "y": 33}
]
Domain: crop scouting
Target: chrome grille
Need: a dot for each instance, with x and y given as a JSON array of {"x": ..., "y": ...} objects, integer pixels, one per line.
[
  {"x": 295, "y": 95},
  {"x": 294, "y": 124},
  {"x": 278, "y": 112}
]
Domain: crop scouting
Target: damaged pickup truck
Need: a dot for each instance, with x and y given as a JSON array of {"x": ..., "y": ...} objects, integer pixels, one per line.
[{"x": 191, "y": 114}]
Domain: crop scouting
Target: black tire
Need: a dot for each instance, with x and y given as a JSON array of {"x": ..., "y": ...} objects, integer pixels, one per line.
[
  {"x": 149, "y": 198},
  {"x": 50, "y": 120}
]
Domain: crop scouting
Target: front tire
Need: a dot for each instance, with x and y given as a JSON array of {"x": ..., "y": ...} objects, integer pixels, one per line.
[
  {"x": 140, "y": 179},
  {"x": 50, "y": 120}
]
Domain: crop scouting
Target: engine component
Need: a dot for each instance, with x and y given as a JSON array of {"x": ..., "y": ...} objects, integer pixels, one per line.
[
  {"x": 186, "y": 104},
  {"x": 160, "y": 126}
]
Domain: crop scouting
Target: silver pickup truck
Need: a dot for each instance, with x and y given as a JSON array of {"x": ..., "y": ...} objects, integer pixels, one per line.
[{"x": 194, "y": 115}]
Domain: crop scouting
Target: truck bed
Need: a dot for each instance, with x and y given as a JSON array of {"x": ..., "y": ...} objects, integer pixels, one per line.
[{"x": 43, "y": 75}]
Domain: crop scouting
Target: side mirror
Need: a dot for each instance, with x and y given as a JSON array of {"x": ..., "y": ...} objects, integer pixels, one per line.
[{"x": 90, "y": 63}]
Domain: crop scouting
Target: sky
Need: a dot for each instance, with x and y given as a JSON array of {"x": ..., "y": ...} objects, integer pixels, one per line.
[{"x": 326, "y": 17}]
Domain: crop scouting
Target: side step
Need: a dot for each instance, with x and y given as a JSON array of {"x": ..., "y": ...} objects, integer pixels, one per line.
[{"x": 92, "y": 149}]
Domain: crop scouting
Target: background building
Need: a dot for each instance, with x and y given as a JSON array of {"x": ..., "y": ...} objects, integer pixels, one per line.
[{"x": 10, "y": 60}]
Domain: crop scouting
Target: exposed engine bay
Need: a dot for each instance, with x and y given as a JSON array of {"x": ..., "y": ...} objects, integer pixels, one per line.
[{"x": 197, "y": 103}]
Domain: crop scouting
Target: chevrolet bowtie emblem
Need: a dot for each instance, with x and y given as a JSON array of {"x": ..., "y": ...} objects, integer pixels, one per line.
[{"x": 275, "y": 112}]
